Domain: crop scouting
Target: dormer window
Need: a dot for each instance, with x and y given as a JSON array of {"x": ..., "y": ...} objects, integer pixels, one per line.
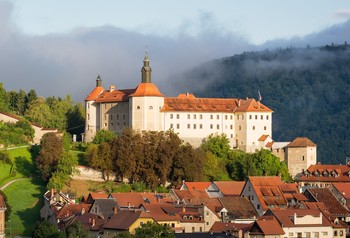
[{"x": 184, "y": 217}]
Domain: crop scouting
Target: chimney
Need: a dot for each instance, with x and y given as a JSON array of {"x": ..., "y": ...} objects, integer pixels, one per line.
[
  {"x": 129, "y": 204},
  {"x": 93, "y": 221},
  {"x": 115, "y": 210},
  {"x": 90, "y": 220},
  {"x": 52, "y": 192},
  {"x": 111, "y": 88},
  {"x": 183, "y": 209}
]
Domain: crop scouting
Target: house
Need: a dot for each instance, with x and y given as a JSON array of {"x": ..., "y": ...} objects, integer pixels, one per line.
[
  {"x": 264, "y": 193},
  {"x": 323, "y": 175},
  {"x": 92, "y": 196},
  {"x": 341, "y": 192},
  {"x": 194, "y": 185},
  {"x": 334, "y": 208},
  {"x": 225, "y": 188},
  {"x": 92, "y": 222},
  {"x": 232, "y": 229},
  {"x": 145, "y": 108},
  {"x": 301, "y": 154},
  {"x": 266, "y": 227},
  {"x": 62, "y": 216},
  {"x": 39, "y": 131},
  {"x": 2, "y": 216},
  {"x": 237, "y": 209},
  {"x": 135, "y": 200},
  {"x": 104, "y": 207},
  {"x": 125, "y": 221},
  {"x": 300, "y": 223},
  {"x": 164, "y": 214}
]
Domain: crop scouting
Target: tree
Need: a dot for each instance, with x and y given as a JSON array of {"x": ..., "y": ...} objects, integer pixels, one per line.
[
  {"x": 76, "y": 120},
  {"x": 50, "y": 153},
  {"x": 45, "y": 229},
  {"x": 154, "y": 230},
  {"x": 103, "y": 136},
  {"x": 27, "y": 129},
  {"x": 39, "y": 112},
  {"x": 218, "y": 145},
  {"x": 105, "y": 163},
  {"x": 76, "y": 230}
]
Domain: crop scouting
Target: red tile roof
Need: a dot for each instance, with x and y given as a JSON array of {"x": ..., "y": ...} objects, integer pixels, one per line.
[
  {"x": 239, "y": 207},
  {"x": 197, "y": 185},
  {"x": 230, "y": 188},
  {"x": 301, "y": 142},
  {"x": 162, "y": 212},
  {"x": 326, "y": 173},
  {"x": 124, "y": 219},
  {"x": 263, "y": 137},
  {"x": 232, "y": 226},
  {"x": 147, "y": 89},
  {"x": 343, "y": 188},
  {"x": 284, "y": 216},
  {"x": 251, "y": 105},
  {"x": 72, "y": 209},
  {"x": 115, "y": 95},
  {"x": 94, "y": 93},
  {"x": 268, "y": 225}
]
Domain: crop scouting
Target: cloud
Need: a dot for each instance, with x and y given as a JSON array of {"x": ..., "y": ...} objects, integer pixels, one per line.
[
  {"x": 344, "y": 13},
  {"x": 68, "y": 63},
  {"x": 61, "y": 64}
]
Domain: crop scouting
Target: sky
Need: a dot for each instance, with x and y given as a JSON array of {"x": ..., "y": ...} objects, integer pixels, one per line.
[{"x": 59, "y": 47}]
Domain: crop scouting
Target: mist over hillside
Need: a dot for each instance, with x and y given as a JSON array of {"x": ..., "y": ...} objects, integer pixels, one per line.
[{"x": 307, "y": 88}]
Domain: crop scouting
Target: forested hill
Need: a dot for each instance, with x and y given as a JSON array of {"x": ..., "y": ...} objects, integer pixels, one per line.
[{"x": 308, "y": 89}]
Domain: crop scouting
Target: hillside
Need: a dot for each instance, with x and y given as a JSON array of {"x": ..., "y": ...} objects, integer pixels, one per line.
[{"x": 308, "y": 89}]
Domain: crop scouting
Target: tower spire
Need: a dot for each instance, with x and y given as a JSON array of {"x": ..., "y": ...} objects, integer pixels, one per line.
[
  {"x": 98, "y": 81},
  {"x": 146, "y": 70}
]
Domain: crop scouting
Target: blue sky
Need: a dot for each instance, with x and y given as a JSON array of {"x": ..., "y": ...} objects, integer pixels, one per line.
[
  {"x": 58, "y": 47},
  {"x": 258, "y": 21}
]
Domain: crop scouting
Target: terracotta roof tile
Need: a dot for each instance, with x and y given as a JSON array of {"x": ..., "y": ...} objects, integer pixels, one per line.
[
  {"x": 340, "y": 173},
  {"x": 251, "y": 105},
  {"x": 115, "y": 95},
  {"x": 301, "y": 142},
  {"x": 162, "y": 212},
  {"x": 94, "y": 93},
  {"x": 197, "y": 185},
  {"x": 269, "y": 226},
  {"x": 343, "y": 188},
  {"x": 263, "y": 137},
  {"x": 239, "y": 207},
  {"x": 147, "y": 89},
  {"x": 225, "y": 226},
  {"x": 230, "y": 188},
  {"x": 72, "y": 209},
  {"x": 124, "y": 219}
]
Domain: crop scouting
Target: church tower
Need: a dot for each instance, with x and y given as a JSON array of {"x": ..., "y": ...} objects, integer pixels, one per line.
[{"x": 146, "y": 102}]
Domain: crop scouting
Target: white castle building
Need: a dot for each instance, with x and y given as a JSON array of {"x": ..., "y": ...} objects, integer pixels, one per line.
[{"x": 244, "y": 121}]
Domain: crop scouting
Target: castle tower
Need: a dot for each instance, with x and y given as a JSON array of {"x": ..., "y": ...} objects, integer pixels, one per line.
[
  {"x": 146, "y": 102},
  {"x": 92, "y": 111}
]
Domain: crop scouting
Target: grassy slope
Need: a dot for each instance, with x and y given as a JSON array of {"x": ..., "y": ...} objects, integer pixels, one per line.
[{"x": 24, "y": 196}]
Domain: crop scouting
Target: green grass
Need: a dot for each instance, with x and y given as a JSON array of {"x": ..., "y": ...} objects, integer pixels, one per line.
[
  {"x": 80, "y": 156},
  {"x": 23, "y": 166},
  {"x": 26, "y": 199}
]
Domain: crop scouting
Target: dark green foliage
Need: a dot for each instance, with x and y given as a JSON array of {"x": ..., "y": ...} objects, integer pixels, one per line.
[
  {"x": 308, "y": 90},
  {"x": 76, "y": 230},
  {"x": 5, "y": 157},
  {"x": 154, "y": 230},
  {"x": 103, "y": 136},
  {"x": 28, "y": 130},
  {"x": 45, "y": 229},
  {"x": 15, "y": 134}
]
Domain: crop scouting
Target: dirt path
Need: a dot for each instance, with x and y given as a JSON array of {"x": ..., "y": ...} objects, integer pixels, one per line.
[{"x": 11, "y": 182}]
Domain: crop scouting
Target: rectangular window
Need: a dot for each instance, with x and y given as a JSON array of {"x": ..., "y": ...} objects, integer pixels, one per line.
[
  {"x": 231, "y": 127},
  {"x": 218, "y": 126},
  {"x": 188, "y": 126},
  {"x": 194, "y": 116},
  {"x": 111, "y": 117},
  {"x": 225, "y": 117},
  {"x": 261, "y": 117},
  {"x": 194, "y": 126},
  {"x": 188, "y": 116},
  {"x": 250, "y": 117},
  {"x": 171, "y": 126},
  {"x": 267, "y": 117},
  {"x": 231, "y": 117},
  {"x": 177, "y": 126},
  {"x": 237, "y": 117},
  {"x": 124, "y": 116},
  {"x": 239, "y": 128},
  {"x": 218, "y": 117},
  {"x": 200, "y": 116},
  {"x": 253, "y": 127},
  {"x": 200, "y": 126},
  {"x": 242, "y": 117},
  {"x": 264, "y": 128},
  {"x": 211, "y": 117},
  {"x": 211, "y": 126},
  {"x": 177, "y": 116},
  {"x": 171, "y": 116},
  {"x": 256, "y": 117},
  {"x": 117, "y": 116},
  {"x": 231, "y": 135},
  {"x": 88, "y": 116}
]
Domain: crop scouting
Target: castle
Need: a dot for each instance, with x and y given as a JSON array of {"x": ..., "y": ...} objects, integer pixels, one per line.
[{"x": 246, "y": 122}]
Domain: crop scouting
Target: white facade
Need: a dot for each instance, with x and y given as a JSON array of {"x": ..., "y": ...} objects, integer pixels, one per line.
[{"x": 243, "y": 121}]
